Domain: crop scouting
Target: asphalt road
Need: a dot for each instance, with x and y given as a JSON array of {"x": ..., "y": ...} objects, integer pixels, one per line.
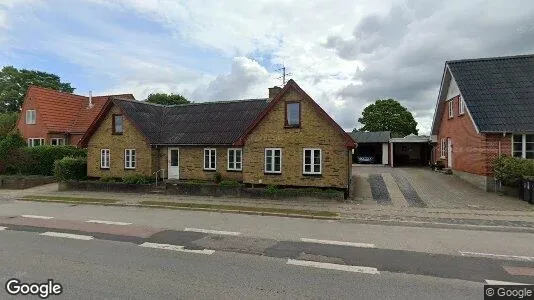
[{"x": 103, "y": 269}]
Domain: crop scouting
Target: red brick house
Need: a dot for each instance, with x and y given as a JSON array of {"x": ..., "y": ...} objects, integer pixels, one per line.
[
  {"x": 485, "y": 108},
  {"x": 50, "y": 117}
]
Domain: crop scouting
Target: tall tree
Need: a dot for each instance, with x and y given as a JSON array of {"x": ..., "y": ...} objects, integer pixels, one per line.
[
  {"x": 388, "y": 115},
  {"x": 8, "y": 122},
  {"x": 14, "y": 83},
  {"x": 166, "y": 99}
]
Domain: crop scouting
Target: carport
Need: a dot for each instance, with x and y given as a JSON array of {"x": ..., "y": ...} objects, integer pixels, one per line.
[
  {"x": 375, "y": 144},
  {"x": 411, "y": 150}
]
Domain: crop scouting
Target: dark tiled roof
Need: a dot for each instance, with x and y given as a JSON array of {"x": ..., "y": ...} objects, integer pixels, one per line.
[
  {"x": 208, "y": 123},
  {"x": 371, "y": 137},
  {"x": 499, "y": 92}
]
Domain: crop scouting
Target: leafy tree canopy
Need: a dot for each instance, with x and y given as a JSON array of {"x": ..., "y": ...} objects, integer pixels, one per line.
[
  {"x": 8, "y": 122},
  {"x": 14, "y": 83},
  {"x": 388, "y": 115},
  {"x": 167, "y": 99}
]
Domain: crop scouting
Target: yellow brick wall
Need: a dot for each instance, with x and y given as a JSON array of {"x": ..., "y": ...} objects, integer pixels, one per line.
[
  {"x": 130, "y": 139},
  {"x": 192, "y": 160},
  {"x": 315, "y": 132}
]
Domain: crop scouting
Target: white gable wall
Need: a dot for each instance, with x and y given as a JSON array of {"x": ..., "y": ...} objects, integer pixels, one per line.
[{"x": 452, "y": 90}]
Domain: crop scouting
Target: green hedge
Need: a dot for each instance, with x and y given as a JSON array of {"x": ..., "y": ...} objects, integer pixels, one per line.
[
  {"x": 136, "y": 178},
  {"x": 509, "y": 170},
  {"x": 70, "y": 168}
]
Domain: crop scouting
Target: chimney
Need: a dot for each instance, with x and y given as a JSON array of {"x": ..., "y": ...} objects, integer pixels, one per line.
[
  {"x": 90, "y": 99},
  {"x": 273, "y": 91}
]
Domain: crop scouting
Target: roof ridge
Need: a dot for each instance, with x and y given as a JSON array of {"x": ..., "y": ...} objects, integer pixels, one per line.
[
  {"x": 490, "y": 58},
  {"x": 191, "y": 104}
]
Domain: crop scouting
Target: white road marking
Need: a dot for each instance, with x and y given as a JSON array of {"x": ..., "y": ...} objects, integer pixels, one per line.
[
  {"x": 68, "y": 235},
  {"x": 496, "y": 282},
  {"x": 108, "y": 222},
  {"x": 501, "y": 256},
  {"x": 2, "y": 228},
  {"x": 361, "y": 245},
  {"x": 36, "y": 217},
  {"x": 212, "y": 231},
  {"x": 176, "y": 248},
  {"x": 307, "y": 263}
]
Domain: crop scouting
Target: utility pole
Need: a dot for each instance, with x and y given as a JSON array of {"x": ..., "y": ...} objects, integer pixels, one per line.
[{"x": 284, "y": 74}]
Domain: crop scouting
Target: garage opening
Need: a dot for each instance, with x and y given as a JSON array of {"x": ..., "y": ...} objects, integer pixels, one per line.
[
  {"x": 373, "y": 147},
  {"x": 411, "y": 151}
]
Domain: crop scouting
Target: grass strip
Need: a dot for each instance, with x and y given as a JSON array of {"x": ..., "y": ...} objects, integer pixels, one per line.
[
  {"x": 289, "y": 211},
  {"x": 67, "y": 199}
]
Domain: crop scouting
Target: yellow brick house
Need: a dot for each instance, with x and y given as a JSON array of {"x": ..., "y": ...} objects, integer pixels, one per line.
[{"x": 285, "y": 140}]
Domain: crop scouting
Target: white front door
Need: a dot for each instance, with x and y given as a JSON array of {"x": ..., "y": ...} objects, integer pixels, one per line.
[
  {"x": 174, "y": 163},
  {"x": 449, "y": 152}
]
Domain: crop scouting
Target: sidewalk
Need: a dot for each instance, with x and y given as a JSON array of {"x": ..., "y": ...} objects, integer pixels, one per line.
[{"x": 347, "y": 211}]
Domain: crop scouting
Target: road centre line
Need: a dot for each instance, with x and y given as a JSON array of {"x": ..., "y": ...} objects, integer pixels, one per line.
[
  {"x": 176, "y": 248},
  {"x": 212, "y": 231},
  {"x": 36, "y": 217},
  {"x": 328, "y": 242},
  {"x": 67, "y": 235},
  {"x": 501, "y": 256},
  {"x": 321, "y": 265},
  {"x": 108, "y": 222}
]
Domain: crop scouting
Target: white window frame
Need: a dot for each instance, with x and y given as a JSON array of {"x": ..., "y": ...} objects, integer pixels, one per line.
[
  {"x": 31, "y": 142},
  {"x": 130, "y": 157},
  {"x": 451, "y": 108},
  {"x": 312, "y": 159},
  {"x": 59, "y": 141},
  {"x": 443, "y": 150},
  {"x": 235, "y": 162},
  {"x": 461, "y": 105},
  {"x": 31, "y": 118},
  {"x": 272, "y": 160},
  {"x": 105, "y": 158},
  {"x": 523, "y": 144},
  {"x": 212, "y": 165}
]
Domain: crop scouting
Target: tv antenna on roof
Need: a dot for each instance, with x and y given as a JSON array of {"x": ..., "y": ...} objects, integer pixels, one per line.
[{"x": 284, "y": 74}]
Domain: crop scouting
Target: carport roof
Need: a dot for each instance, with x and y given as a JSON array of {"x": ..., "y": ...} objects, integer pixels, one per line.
[{"x": 371, "y": 137}]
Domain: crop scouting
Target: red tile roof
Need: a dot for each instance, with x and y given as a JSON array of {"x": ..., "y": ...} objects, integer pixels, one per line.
[{"x": 64, "y": 112}]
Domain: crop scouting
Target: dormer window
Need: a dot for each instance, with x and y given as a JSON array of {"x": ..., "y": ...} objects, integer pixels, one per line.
[
  {"x": 118, "y": 127},
  {"x": 292, "y": 114},
  {"x": 31, "y": 116}
]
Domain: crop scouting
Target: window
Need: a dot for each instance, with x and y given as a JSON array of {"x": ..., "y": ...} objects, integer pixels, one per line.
[
  {"x": 104, "y": 158},
  {"x": 129, "y": 158},
  {"x": 461, "y": 105},
  {"x": 118, "y": 127},
  {"x": 210, "y": 159},
  {"x": 273, "y": 160},
  {"x": 235, "y": 159},
  {"x": 443, "y": 148},
  {"x": 57, "y": 141},
  {"x": 31, "y": 116},
  {"x": 312, "y": 161},
  {"x": 34, "y": 142},
  {"x": 523, "y": 145},
  {"x": 451, "y": 108},
  {"x": 292, "y": 114}
]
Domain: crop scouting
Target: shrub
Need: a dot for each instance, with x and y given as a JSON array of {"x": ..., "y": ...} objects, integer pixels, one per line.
[
  {"x": 107, "y": 179},
  {"x": 217, "y": 177},
  {"x": 509, "y": 170},
  {"x": 272, "y": 190},
  {"x": 40, "y": 160},
  {"x": 229, "y": 183},
  {"x": 70, "y": 168},
  {"x": 136, "y": 178},
  {"x": 11, "y": 154}
]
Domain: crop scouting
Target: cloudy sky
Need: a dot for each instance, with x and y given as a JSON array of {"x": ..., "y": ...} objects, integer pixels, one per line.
[{"x": 345, "y": 54}]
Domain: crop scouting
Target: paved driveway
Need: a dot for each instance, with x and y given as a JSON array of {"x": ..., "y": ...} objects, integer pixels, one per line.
[{"x": 421, "y": 187}]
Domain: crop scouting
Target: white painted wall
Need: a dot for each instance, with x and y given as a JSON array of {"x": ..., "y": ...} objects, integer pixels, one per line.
[{"x": 452, "y": 90}]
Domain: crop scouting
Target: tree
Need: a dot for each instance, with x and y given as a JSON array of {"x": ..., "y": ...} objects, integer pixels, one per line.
[
  {"x": 8, "y": 122},
  {"x": 388, "y": 115},
  {"x": 14, "y": 83},
  {"x": 166, "y": 99}
]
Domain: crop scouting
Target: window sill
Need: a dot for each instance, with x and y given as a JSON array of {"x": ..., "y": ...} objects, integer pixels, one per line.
[
  {"x": 116, "y": 133},
  {"x": 312, "y": 175},
  {"x": 291, "y": 126},
  {"x": 272, "y": 173},
  {"x": 105, "y": 169},
  {"x": 442, "y": 157},
  {"x": 209, "y": 170},
  {"x": 237, "y": 171},
  {"x": 129, "y": 168},
  {"x": 460, "y": 115}
]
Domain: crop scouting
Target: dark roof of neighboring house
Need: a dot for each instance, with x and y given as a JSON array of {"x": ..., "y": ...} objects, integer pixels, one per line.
[
  {"x": 371, "y": 137},
  {"x": 207, "y": 123},
  {"x": 498, "y": 92},
  {"x": 65, "y": 112}
]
